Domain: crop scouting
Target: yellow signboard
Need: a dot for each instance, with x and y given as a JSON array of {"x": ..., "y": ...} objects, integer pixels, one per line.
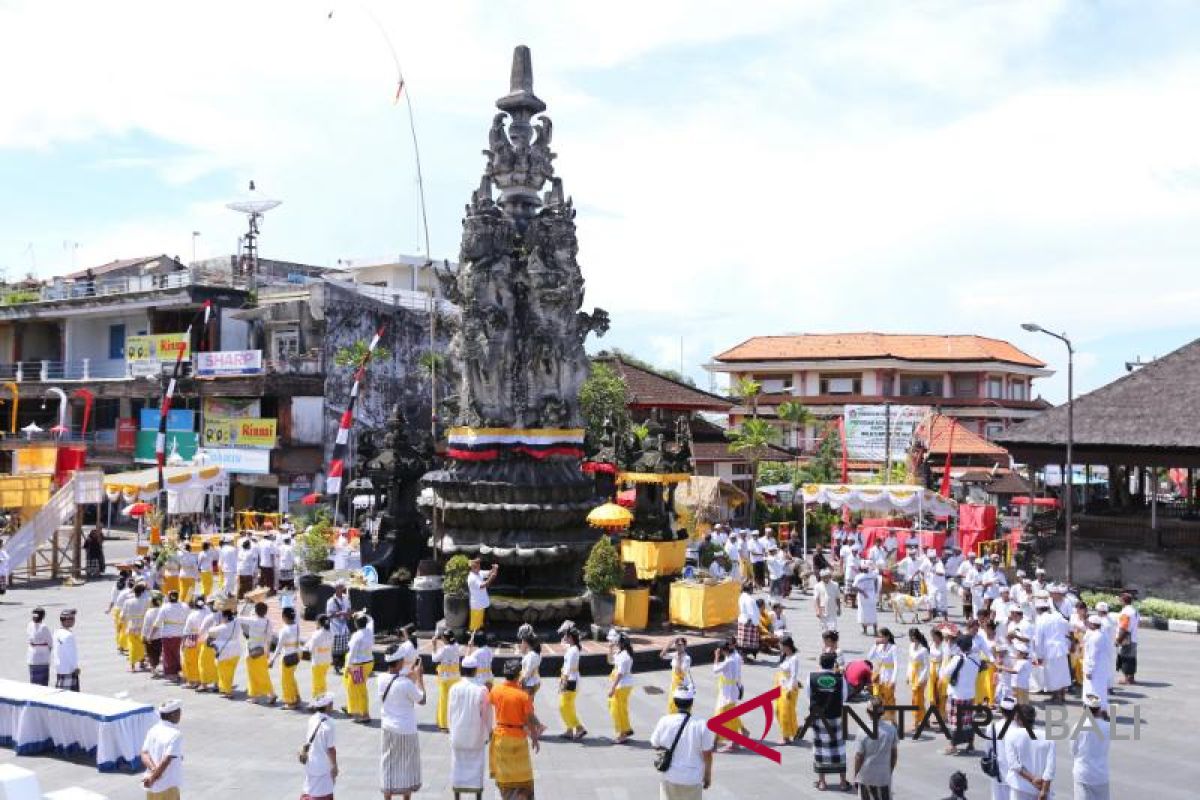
[
  {"x": 157, "y": 347},
  {"x": 240, "y": 432},
  {"x": 34, "y": 459}
]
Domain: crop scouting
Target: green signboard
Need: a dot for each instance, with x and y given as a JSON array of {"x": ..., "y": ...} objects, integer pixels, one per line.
[{"x": 184, "y": 442}]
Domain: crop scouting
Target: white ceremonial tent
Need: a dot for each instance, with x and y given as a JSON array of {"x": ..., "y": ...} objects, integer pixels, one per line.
[
  {"x": 904, "y": 498},
  {"x": 143, "y": 484}
]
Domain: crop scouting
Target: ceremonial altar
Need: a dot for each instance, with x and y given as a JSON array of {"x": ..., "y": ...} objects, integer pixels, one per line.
[
  {"x": 655, "y": 559},
  {"x": 38, "y": 719},
  {"x": 699, "y": 605}
]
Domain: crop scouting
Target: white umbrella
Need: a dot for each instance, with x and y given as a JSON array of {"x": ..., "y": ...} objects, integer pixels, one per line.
[{"x": 30, "y": 429}]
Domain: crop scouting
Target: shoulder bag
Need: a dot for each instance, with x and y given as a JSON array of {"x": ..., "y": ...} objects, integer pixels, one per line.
[
  {"x": 662, "y": 759},
  {"x": 303, "y": 754},
  {"x": 990, "y": 763}
]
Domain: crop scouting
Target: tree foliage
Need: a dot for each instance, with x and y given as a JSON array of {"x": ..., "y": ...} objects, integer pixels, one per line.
[
  {"x": 354, "y": 354},
  {"x": 602, "y": 571},
  {"x": 603, "y": 398},
  {"x": 751, "y": 440}
]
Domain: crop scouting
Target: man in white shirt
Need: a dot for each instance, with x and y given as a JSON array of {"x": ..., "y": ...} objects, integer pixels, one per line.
[
  {"x": 400, "y": 692},
  {"x": 1089, "y": 747},
  {"x": 320, "y": 763},
  {"x": 995, "y": 744},
  {"x": 285, "y": 560},
  {"x": 162, "y": 754},
  {"x": 960, "y": 673},
  {"x": 477, "y": 590},
  {"x": 227, "y": 561},
  {"x": 247, "y": 567},
  {"x": 748, "y": 634},
  {"x": 692, "y": 743},
  {"x": 1097, "y": 661},
  {"x": 266, "y": 562},
  {"x": 758, "y": 559},
  {"x": 867, "y": 586},
  {"x": 66, "y": 655},
  {"x": 470, "y": 718},
  {"x": 779, "y": 566},
  {"x": 827, "y": 601},
  {"x": 1030, "y": 761},
  {"x": 40, "y": 641},
  {"x": 170, "y": 622},
  {"x": 967, "y": 578},
  {"x": 1052, "y": 634}
]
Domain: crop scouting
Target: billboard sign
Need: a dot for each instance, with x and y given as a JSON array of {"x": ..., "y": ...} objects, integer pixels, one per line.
[{"x": 867, "y": 434}]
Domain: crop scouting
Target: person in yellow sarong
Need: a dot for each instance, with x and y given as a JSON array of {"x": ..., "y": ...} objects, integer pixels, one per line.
[
  {"x": 681, "y": 668},
  {"x": 190, "y": 646},
  {"x": 787, "y": 678},
  {"x": 883, "y": 667},
  {"x": 360, "y": 662},
  {"x": 919, "y": 659},
  {"x": 207, "y": 562},
  {"x": 226, "y": 644},
  {"x": 319, "y": 650},
  {"x": 568, "y": 686},
  {"x": 133, "y": 616},
  {"x": 727, "y": 666},
  {"x": 939, "y": 656},
  {"x": 447, "y": 656},
  {"x": 258, "y": 641},
  {"x": 208, "y": 655},
  {"x": 287, "y": 651},
  {"x": 515, "y": 731},
  {"x": 121, "y": 591},
  {"x": 620, "y": 687}
]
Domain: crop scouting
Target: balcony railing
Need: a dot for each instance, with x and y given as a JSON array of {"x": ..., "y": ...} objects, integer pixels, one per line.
[
  {"x": 81, "y": 370},
  {"x": 83, "y": 289}
]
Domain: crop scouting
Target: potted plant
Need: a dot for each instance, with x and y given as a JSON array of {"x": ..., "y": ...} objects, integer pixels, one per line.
[
  {"x": 312, "y": 557},
  {"x": 454, "y": 592},
  {"x": 601, "y": 575}
]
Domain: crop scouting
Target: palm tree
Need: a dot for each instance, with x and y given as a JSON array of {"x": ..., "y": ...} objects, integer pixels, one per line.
[
  {"x": 752, "y": 438},
  {"x": 798, "y": 417},
  {"x": 747, "y": 390}
]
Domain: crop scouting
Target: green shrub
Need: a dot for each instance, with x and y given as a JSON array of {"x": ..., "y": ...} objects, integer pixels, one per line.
[
  {"x": 1168, "y": 609},
  {"x": 454, "y": 584},
  {"x": 602, "y": 571},
  {"x": 1092, "y": 598}
]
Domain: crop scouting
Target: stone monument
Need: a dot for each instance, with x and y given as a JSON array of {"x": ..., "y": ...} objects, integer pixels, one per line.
[{"x": 512, "y": 491}]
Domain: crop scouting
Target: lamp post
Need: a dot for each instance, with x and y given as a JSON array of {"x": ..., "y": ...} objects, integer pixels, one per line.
[{"x": 1070, "y": 493}]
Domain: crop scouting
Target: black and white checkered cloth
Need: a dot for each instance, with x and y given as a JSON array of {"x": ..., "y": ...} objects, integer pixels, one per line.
[
  {"x": 341, "y": 643},
  {"x": 829, "y": 746},
  {"x": 748, "y": 636}
]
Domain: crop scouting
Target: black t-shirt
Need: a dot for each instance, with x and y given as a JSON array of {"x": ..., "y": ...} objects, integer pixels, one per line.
[{"x": 825, "y": 695}]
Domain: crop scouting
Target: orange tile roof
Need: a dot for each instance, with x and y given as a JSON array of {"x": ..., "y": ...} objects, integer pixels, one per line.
[
  {"x": 909, "y": 347},
  {"x": 965, "y": 443}
]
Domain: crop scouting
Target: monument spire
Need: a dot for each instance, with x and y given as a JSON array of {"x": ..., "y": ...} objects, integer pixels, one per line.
[{"x": 520, "y": 100}]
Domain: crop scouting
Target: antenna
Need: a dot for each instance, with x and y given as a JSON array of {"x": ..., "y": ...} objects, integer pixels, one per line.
[{"x": 253, "y": 205}]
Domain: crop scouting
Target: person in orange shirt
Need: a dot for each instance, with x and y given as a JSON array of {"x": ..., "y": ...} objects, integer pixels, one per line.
[{"x": 514, "y": 720}]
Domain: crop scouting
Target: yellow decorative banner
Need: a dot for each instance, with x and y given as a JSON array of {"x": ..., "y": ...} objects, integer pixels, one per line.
[
  {"x": 157, "y": 347},
  {"x": 240, "y": 432}
]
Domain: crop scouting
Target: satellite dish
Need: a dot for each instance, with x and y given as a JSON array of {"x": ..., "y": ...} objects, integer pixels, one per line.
[{"x": 254, "y": 203}]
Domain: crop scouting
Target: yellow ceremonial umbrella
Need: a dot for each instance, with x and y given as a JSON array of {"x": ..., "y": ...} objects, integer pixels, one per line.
[{"x": 610, "y": 516}]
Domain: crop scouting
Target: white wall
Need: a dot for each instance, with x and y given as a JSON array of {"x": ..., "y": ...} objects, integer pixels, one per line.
[
  {"x": 87, "y": 337},
  {"x": 869, "y": 386}
]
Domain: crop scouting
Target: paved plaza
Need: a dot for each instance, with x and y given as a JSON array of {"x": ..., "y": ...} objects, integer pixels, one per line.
[{"x": 235, "y": 749}]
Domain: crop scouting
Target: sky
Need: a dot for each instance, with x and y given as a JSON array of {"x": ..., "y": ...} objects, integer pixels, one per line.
[{"x": 739, "y": 169}]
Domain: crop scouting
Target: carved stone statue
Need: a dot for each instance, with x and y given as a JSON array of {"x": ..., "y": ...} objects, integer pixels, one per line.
[{"x": 513, "y": 491}]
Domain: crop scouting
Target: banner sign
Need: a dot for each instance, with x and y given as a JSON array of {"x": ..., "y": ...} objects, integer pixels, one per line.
[
  {"x": 186, "y": 443},
  {"x": 867, "y": 434},
  {"x": 220, "y": 487},
  {"x": 243, "y": 432},
  {"x": 34, "y": 459},
  {"x": 233, "y": 461},
  {"x": 229, "y": 362},
  {"x": 178, "y": 419},
  {"x": 157, "y": 347},
  {"x": 127, "y": 428},
  {"x": 230, "y": 407}
]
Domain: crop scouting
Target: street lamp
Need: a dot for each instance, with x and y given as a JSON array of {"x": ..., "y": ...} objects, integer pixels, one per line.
[{"x": 1033, "y": 327}]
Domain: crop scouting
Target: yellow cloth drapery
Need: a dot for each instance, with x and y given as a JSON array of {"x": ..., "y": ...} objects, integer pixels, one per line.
[
  {"x": 698, "y": 605},
  {"x": 655, "y": 559},
  {"x": 633, "y": 608}
]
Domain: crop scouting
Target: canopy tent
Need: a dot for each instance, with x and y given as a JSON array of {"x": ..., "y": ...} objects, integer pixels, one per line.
[
  {"x": 143, "y": 484},
  {"x": 909, "y": 499}
]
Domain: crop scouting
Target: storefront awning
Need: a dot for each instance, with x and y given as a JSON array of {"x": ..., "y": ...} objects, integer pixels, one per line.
[{"x": 143, "y": 483}]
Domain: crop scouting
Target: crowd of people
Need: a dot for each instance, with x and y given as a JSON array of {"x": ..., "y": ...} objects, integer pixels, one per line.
[{"x": 179, "y": 619}]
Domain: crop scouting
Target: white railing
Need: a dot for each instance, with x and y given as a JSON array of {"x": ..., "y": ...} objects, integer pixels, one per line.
[
  {"x": 83, "y": 289},
  {"x": 84, "y": 369}
]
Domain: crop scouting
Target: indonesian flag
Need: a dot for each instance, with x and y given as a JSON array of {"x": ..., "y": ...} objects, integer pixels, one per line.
[{"x": 341, "y": 442}]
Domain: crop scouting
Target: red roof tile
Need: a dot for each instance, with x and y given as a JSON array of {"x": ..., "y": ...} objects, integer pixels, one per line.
[
  {"x": 909, "y": 347},
  {"x": 648, "y": 389}
]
